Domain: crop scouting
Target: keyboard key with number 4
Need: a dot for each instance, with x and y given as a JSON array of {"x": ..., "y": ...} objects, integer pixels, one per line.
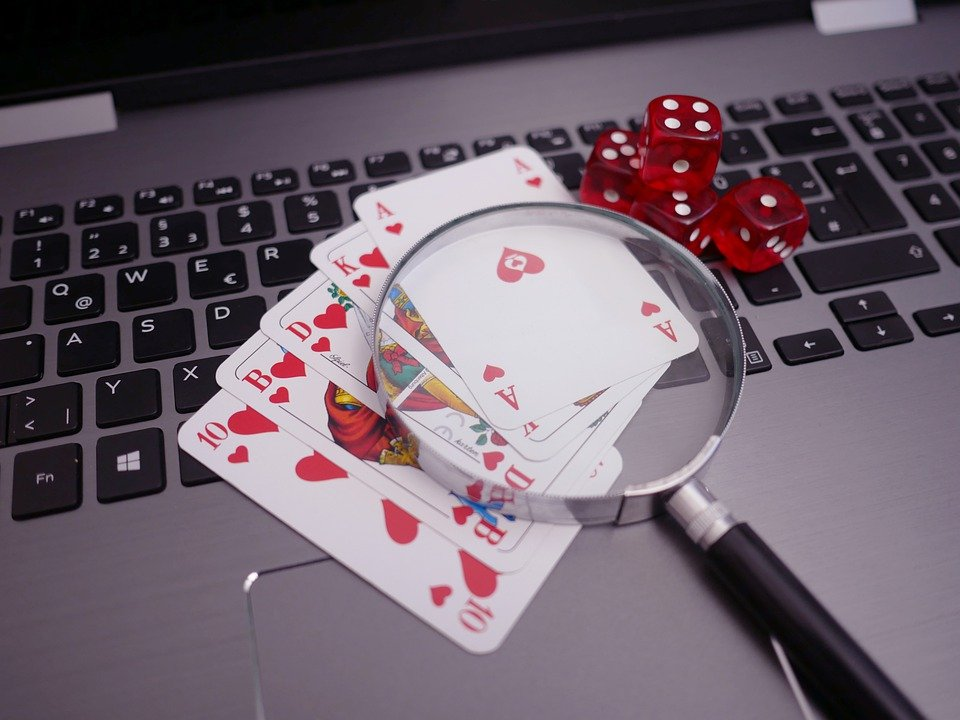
[
  {"x": 87, "y": 348},
  {"x": 128, "y": 397},
  {"x": 246, "y": 222},
  {"x": 130, "y": 464},
  {"x": 46, "y": 481}
]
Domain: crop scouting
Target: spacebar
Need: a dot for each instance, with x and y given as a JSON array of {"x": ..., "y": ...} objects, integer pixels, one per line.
[
  {"x": 863, "y": 263},
  {"x": 851, "y": 179}
]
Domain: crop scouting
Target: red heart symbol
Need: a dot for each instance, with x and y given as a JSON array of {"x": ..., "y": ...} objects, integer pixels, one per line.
[
  {"x": 514, "y": 264},
  {"x": 461, "y": 513},
  {"x": 475, "y": 490},
  {"x": 374, "y": 258},
  {"x": 240, "y": 455},
  {"x": 492, "y": 459},
  {"x": 439, "y": 594},
  {"x": 402, "y": 527},
  {"x": 396, "y": 228},
  {"x": 333, "y": 317},
  {"x": 250, "y": 422},
  {"x": 321, "y": 345},
  {"x": 362, "y": 281},
  {"x": 492, "y": 372},
  {"x": 280, "y": 396},
  {"x": 481, "y": 580},
  {"x": 648, "y": 308},
  {"x": 317, "y": 467},
  {"x": 533, "y": 182},
  {"x": 290, "y": 366}
]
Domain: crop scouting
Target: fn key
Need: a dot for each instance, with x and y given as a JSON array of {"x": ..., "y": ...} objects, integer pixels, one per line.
[{"x": 46, "y": 481}]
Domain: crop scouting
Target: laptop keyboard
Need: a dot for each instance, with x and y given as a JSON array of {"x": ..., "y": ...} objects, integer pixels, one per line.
[{"x": 913, "y": 124}]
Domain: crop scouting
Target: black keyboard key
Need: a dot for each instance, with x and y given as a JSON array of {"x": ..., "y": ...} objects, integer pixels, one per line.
[
  {"x": 39, "y": 256},
  {"x": 490, "y": 144},
  {"x": 312, "y": 211},
  {"x": 850, "y": 179},
  {"x": 232, "y": 322},
  {"x": 195, "y": 382},
  {"x": 146, "y": 286},
  {"x": 756, "y": 359},
  {"x": 433, "y": 157},
  {"x": 285, "y": 262},
  {"x": 163, "y": 335},
  {"x": 895, "y": 89},
  {"x": 937, "y": 83},
  {"x": 808, "y": 347},
  {"x": 932, "y": 202},
  {"x": 945, "y": 154},
  {"x": 874, "y": 126},
  {"x": 795, "y": 174},
  {"x": 950, "y": 239},
  {"x": 698, "y": 299},
  {"x": 569, "y": 167},
  {"x": 87, "y": 348},
  {"x": 748, "y": 110},
  {"x": 770, "y": 286},
  {"x": 109, "y": 244},
  {"x": 45, "y": 412},
  {"x": 4, "y": 403},
  {"x": 35, "y": 219},
  {"x": 46, "y": 481},
  {"x": 268, "y": 182},
  {"x": 98, "y": 209},
  {"x": 216, "y": 190},
  {"x": 130, "y": 465},
  {"x": 866, "y": 306},
  {"x": 193, "y": 472},
  {"x": 919, "y": 119},
  {"x": 941, "y": 320},
  {"x": 184, "y": 232},
  {"x": 805, "y": 136},
  {"x": 851, "y": 95},
  {"x": 798, "y": 103},
  {"x": 16, "y": 304},
  {"x": 903, "y": 163},
  {"x": 549, "y": 140},
  {"x": 685, "y": 370},
  {"x": 73, "y": 298},
  {"x": 879, "y": 333},
  {"x": 832, "y": 220},
  {"x": 22, "y": 360},
  {"x": 740, "y": 146},
  {"x": 158, "y": 199},
  {"x": 128, "y": 397},
  {"x": 865, "y": 263},
  {"x": 589, "y": 132},
  {"x": 718, "y": 274},
  {"x": 217, "y": 274},
  {"x": 331, "y": 173},
  {"x": 391, "y": 163},
  {"x": 951, "y": 111},
  {"x": 246, "y": 222},
  {"x": 356, "y": 191},
  {"x": 723, "y": 181}
]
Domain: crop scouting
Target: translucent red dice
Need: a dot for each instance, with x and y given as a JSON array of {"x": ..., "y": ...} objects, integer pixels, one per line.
[
  {"x": 757, "y": 224},
  {"x": 676, "y": 214},
  {"x": 679, "y": 143},
  {"x": 611, "y": 171}
]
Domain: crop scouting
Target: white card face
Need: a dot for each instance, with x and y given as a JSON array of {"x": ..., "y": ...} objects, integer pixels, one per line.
[
  {"x": 536, "y": 321},
  {"x": 352, "y": 259},
  {"x": 472, "y": 603},
  {"x": 400, "y": 215},
  {"x": 321, "y": 326}
]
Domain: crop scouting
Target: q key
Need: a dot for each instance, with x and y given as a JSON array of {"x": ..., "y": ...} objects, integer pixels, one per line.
[{"x": 75, "y": 298}]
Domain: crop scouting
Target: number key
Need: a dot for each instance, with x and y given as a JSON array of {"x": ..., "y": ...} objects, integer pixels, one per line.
[
  {"x": 109, "y": 244},
  {"x": 179, "y": 233},
  {"x": 312, "y": 211},
  {"x": 38, "y": 256},
  {"x": 245, "y": 222}
]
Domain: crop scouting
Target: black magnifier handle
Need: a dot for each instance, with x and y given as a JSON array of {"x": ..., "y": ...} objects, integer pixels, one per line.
[{"x": 834, "y": 666}]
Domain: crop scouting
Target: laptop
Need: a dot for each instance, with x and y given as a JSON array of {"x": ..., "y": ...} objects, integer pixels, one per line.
[{"x": 145, "y": 587}]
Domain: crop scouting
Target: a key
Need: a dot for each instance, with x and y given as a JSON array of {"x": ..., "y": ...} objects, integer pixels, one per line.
[
  {"x": 163, "y": 335},
  {"x": 919, "y": 119},
  {"x": 903, "y": 163},
  {"x": 157, "y": 199},
  {"x": 849, "y": 178},
  {"x": 951, "y": 111},
  {"x": 356, "y": 191},
  {"x": 805, "y": 136},
  {"x": 184, "y": 232},
  {"x": 589, "y": 132},
  {"x": 832, "y": 220},
  {"x": 312, "y": 211},
  {"x": 549, "y": 140},
  {"x": 73, "y": 298},
  {"x": 390, "y": 163},
  {"x": 109, "y": 244},
  {"x": 195, "y": 382},
  {"x": 874, "y": 126},
  {"x": 22, "y": 360},
  {"x": 433, "y": 157},
  {"x": 193, "y": 472},
  {"x": 939, "y": 320},
  {"x": 851, "y": 95},
  {"x": 569, "y": 167},
  {"x": 46, "y": 481},
  {"x": 39, "y": 256},
  {"x": 723, "y": 181},
  {"x": 36, "y": 219},
  {"x": 865, "y": 306},
  {"x": 932, "y": 202},
  {"x": 769, "y": 286},
  {"x": 246, "y": 222},
  {"x": 16, "y": 304},
  {"x": 879, "y": 333},
  {"x": 937, "y": 83},
  {"x": 285, "y": 262},
  {"x": 895, "y": 89},
  {"x": 808, "y": 347},
  {"x": 232, "y": 322},
  {"x": 747, "y": 110},
  {"x": 491, "y": 144},
  {"x": 146, "y": 286},
  {"x": 86, "y": 348},
  {"x": 268, "y": 182},
  {"x": 945, "y": 154},
  {"x": 685, "y": 370},
  {"x": 798, "y": 103},
  {"x": 950, "y": 239},
  {"x": 217, "y": 274},
  {"x": 216, "y": 190},
  {"x": 850, "y": 266},
  {"x": 44, "y": 412},
  {"x": 796, "y": 175},
  {"x": 331, "y": 172},
  {"x": 130, "y": 465},
  {"x": 128, "y": 397},
  {"x": 97, "y": 209},
  {"x": 740, "y": 146}
]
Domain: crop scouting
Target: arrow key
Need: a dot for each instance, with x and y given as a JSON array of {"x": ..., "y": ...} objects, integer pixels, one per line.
[
  {"x": 940, "y": 320},
  {"x": 865, "y": 306},
  {"x": 873, "y": 334},
  {"x": 44, "y": 413},
  {"x": 808, "y": 347}
]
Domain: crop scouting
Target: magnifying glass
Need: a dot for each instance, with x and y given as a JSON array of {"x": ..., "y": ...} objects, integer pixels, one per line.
[{"x": 553, "y": 332}]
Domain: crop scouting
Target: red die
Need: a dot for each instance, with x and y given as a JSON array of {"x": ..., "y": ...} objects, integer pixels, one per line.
[
  {"x": 677, "y": 214},
  {"x": 611, "y": 171},
  {"x": 679, "y": 143},
  {"x": 757, "y": 224}
]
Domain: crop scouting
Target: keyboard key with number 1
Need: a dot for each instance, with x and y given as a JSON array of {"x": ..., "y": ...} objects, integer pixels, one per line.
[
  {"x": 39, "y": 256},
  {"x": 87, "y": 348},
  {"x": 46, "y": 481},
  {"x": 130, "y": 465}
]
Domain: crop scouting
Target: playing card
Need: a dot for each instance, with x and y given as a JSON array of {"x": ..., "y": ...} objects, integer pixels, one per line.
[
  {"x": 352, "y": 259},
  {"x": 469, "y": 601}
]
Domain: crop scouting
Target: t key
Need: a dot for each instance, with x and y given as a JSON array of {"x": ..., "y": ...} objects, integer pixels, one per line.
[{"x": 44, "y": 412}]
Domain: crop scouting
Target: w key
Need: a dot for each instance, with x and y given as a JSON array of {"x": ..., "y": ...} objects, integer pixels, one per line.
[{"x": 146, "y": 286}]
